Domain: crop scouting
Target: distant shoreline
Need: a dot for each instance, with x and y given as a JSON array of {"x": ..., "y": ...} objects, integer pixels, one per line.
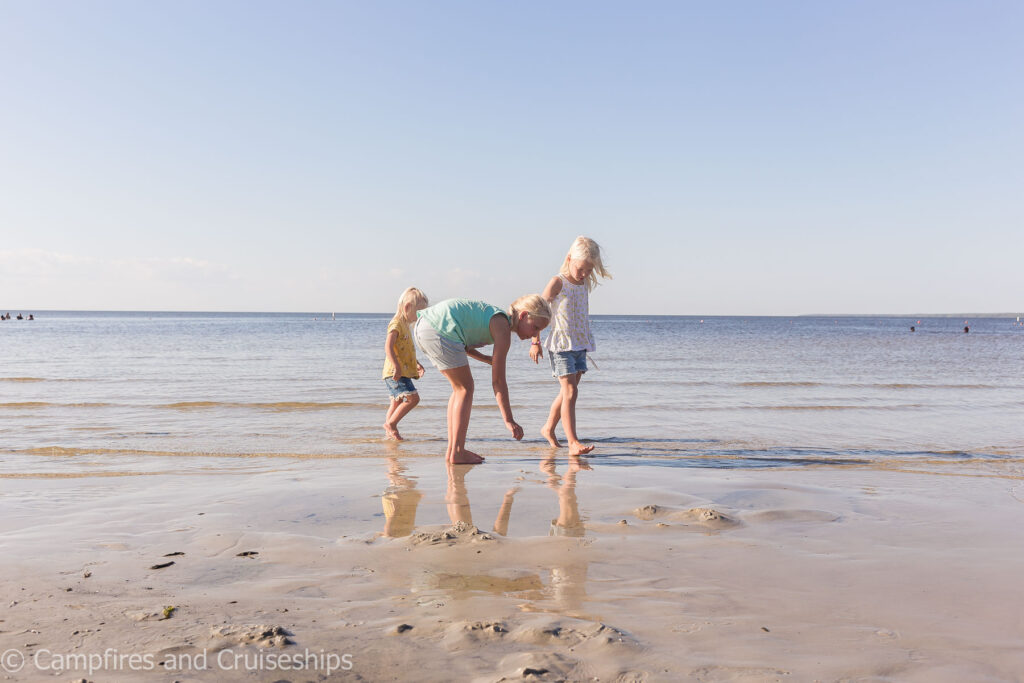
[{"x": 328, "y": 314}]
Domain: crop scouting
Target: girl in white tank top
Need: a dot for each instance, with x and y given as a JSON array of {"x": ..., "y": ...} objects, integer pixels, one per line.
[{"x": 570, "y": 337}]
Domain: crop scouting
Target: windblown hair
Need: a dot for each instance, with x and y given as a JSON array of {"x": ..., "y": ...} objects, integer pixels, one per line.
[
  {"x": 409, "y": 296},
  {"x": 534, "y": 304},
  {"x": 586, "y": 249}
]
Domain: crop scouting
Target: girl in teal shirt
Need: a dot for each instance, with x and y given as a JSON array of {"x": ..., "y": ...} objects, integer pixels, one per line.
[{"x": 450, "y": 332}]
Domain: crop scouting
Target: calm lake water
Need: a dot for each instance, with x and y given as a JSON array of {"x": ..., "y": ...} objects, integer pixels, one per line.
[{"x": 126, "y": 392}]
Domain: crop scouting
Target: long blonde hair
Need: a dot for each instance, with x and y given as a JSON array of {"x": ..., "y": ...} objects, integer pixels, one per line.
[
  {"x": 534, "y": 304},
  {"x": 586, "y": 249},
  {"x": 410, "y": 296}
]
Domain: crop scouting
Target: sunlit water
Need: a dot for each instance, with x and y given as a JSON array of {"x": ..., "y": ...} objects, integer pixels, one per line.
[{"x": 142, "y": 392}]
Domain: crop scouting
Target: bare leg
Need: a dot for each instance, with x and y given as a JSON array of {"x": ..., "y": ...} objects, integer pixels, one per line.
[
  {"x": 399, "y": 410},
  {"x": 554, "y": 415},
  {"x": 389, "y": 427},
  {"x": 451, "y": 424},
  {"x": 460, "y": 405},
  {"x": 569, "y": 396}
]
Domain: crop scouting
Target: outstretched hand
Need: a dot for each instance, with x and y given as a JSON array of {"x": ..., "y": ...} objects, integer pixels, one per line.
[{"x": 536, "y": 353}]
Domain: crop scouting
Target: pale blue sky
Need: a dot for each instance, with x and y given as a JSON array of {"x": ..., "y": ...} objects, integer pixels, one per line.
[{"x": 732, "y": 158}]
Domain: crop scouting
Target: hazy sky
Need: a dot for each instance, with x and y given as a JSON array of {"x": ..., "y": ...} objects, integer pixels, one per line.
[{"x": 731, "y": 157}]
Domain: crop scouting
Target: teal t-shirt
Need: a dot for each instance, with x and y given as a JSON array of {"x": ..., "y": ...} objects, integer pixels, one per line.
[{"x": 462, "y": 320}]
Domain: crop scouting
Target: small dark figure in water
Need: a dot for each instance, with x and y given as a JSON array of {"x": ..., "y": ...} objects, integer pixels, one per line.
[
  {"x": 966, "y": 329},
  {"x": 19, "y": 317},
  {"x": 913, "y": 329},
  {"x": 31, "y": 317}
]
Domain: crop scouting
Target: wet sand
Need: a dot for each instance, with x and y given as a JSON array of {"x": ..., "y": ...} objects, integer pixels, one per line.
[{"x": 519, "y": 569}]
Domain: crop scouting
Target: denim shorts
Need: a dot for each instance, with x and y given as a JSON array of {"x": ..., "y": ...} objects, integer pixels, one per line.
[
  {"x": 444, "y": 353},
  {"x": 400, "y": 390},
  {"x": 565, "y": 363}
]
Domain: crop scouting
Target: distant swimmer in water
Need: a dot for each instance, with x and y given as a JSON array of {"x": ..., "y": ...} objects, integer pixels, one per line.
[
  {"x": 966, "y": 329},
  {"x": 913, "y": 329}
]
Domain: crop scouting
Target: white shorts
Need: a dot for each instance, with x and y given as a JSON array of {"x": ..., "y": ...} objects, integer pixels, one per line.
[{"x": 444, "y": 353}]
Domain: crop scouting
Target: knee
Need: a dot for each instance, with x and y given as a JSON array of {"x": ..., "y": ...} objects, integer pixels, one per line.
[{"x": 569, "y": 392}]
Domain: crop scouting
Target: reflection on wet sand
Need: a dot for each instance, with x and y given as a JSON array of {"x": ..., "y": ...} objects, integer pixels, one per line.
[
  {"x": 567, "y": 588},
  {"x": 568, "y": 522},
  {"x": 400, "y": 500},
  {"x": 565, "y": 591}
]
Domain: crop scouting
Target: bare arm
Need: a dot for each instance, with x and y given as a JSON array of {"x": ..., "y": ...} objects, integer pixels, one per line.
[
  {"x": 482, "y": 357},
  {"x": 550, "y": 292},
  {"x": 553, "y": 288},
  {"x": 501, "y": 332},
  {"x": 389, "y": 351}
]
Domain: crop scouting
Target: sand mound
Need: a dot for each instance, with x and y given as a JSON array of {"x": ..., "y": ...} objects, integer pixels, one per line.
[
  {"x": 705, "y": 517},
  {"x": 244, "y": 634},
  {"x": 793, "y": 516},
  {"x": 537, "y": 666},
  {"x": 572, "y": 634},
  {"x": 649, "y": 512},
  {"x": 458, "y": 534},
  {"x": 464, "y": 634}
]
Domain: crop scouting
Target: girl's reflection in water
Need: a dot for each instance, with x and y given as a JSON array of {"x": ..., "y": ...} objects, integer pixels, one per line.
[
  {"x": 565, "y": 592},
  {"x": 400, "y": 500}
]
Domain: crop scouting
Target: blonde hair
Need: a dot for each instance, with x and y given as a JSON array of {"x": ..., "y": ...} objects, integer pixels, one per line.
[
  {"x": 534, "y": 304},
  {"x": 410, "y": 296},
  {"x": 586, "y": 249}
]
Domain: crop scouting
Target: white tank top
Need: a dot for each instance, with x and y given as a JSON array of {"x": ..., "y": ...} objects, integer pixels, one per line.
[{"x": 570, "y": 321}]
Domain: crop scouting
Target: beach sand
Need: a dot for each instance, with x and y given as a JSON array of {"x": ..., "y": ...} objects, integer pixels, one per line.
[{"x": 351, "y": 569}]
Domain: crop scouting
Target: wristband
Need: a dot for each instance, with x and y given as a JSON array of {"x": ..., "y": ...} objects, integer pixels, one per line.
[{"x": 534, "y": 343}]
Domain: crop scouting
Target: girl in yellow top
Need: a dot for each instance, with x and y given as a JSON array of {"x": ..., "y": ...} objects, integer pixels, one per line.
[{"x": 400, "y": 364}]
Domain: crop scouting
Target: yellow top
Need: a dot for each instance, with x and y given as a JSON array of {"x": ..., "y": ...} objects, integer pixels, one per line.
[{"x": 404, "y": 350}]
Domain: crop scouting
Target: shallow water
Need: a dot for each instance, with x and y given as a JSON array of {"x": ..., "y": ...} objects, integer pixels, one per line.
[
  {"x": 824, "y": 444},
  {"x": 123, "y": 392}
]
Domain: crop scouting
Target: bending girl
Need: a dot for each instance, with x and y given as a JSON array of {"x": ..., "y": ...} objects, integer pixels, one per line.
[{"x": 450, "y": 333}]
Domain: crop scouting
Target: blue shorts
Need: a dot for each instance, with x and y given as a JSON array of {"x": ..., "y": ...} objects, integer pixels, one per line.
[
  {"x": 400, "y": 390},
  {"x": 565, "y": 363}
]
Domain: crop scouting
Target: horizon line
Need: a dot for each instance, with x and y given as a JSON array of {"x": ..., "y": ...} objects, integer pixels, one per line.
[{"x": 643, "y": 315}]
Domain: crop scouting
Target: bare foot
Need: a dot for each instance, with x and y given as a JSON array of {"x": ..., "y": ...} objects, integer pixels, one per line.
[
  {"x": 578, "y": 448},
  {"x": 466, "y": 458},
  {"x": 548, "y": 432},
  {"x": 392, "y": 432}
]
